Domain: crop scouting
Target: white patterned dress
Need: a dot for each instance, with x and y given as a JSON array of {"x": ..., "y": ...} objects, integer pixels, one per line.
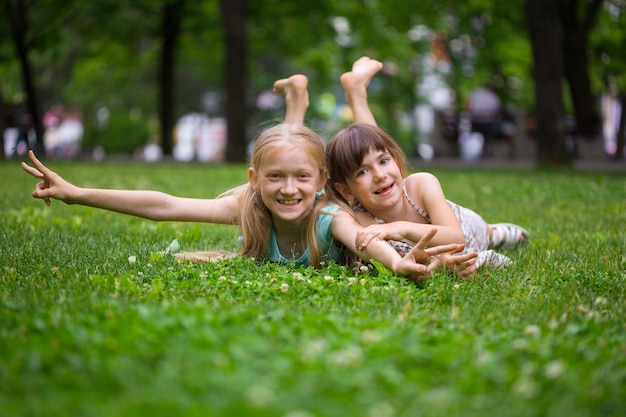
[{"x": 475, "y": 230}]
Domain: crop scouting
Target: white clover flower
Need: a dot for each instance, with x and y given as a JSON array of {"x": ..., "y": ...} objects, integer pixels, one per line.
[
  {"x": 259, "y": 396},
  {"x": 381, "y": 410},
  {"x": 600, "y": 301},
  {"x": 363, "y": 281},
  {"x": 363, "y": 269},
  {"x": 299, "y": 413},
  {"x": 284, "y": 287},
  {"x": 298, "y": 276},
  {"x": 329, "y": 278},
  {"x": 313, "y": 349},
  {"x": 132, "y": 259},
  {"x": 532, "y": 330},
  {"x": 554, "y": 369},
  {"x": 483, "y": 357},
  {"x": 456, "y": 287},
  {"x": 525, "y": 387},
  {"x": 370, "y": 336},
  {"x": 350, "y": 356},
  {"x": 222, "y": 278},
  {"x": 351, "y": 280}
]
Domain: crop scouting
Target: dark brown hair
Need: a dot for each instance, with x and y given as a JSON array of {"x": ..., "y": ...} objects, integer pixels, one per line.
[{"x": 346, "y": 150}]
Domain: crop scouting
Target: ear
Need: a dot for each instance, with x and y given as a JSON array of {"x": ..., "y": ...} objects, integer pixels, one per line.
[
  {"x": 344, "y": 191},
  {"x": 253, "y": 177},
  {"x": 323, "y": 181}
]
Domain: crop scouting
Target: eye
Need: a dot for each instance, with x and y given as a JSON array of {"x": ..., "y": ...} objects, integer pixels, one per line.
[
  {"x": 384, "y": 160},
  {"x": 361, "y": 172}
]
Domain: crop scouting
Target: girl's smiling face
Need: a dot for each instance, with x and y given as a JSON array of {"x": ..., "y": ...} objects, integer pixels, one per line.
[
  {"x": 376, "y": 183},
  {"x": 287, "y": 185}
]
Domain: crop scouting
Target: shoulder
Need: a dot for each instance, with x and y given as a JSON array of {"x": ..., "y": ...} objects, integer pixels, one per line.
[
  {"x": 330, "y": 209},
  {"x": 421, "y": 179},
  {"x": 422, "y": 187}
]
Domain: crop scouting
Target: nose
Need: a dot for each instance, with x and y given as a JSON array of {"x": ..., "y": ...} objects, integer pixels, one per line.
[
  {"x": 289, "y": 186},
  {"x": 378, "y": 173}
]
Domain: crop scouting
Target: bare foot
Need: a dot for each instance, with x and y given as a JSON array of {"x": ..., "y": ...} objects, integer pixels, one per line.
[
  {"x": 296, "y": 95},
  {"x": 357, "y": 80},
  {"x": 355, "y": 85}
]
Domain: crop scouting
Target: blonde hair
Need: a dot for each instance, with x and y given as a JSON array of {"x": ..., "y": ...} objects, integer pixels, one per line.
[
  {"x": 255, "y": 218},
  {"x": 346, "y": 150}
]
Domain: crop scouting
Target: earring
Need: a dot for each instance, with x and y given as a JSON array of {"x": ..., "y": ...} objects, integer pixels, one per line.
[{"x": 320, "y": 193}]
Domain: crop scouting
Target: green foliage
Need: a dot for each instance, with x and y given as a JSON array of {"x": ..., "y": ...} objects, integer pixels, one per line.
[
  {"x": 93, "y": 321},
  {"x": 123, "y": 133}
]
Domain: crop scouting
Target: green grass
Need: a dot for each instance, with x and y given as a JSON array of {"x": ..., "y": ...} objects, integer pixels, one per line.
[{"x": 85, "y": 332}]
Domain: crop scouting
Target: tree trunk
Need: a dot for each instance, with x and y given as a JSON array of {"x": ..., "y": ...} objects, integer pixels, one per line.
[
  {"x": 575, "y": 38},
  {"x": 17, "y": 17},
  {"x": 234, "y": 24},
  {"x": 170, "y": 32},
  {"x": 621, "y": 131},
  {"x": 544, "y": 31}
]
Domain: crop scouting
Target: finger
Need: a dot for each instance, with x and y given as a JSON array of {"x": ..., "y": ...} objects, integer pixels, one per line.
[
  {"x": 366, "y": 240},
  {"x": 435, "y": 264},
  {"x": 425, "y": 240},
  {"x": 438, "y": 250},
  {"x": 468, "y": 272},
  {"x": 37, "y": 163},
  {"x": 32, "y": 171},
  {"x": 361, "y": 240},
  {"x": 418, "y": 256},
  {"x": 420, "y": 275},
  {"x": 466, "y": 257}
]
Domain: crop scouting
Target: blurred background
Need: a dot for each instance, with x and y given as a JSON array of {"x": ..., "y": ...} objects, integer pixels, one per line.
[{"x": 191, "y": 80}]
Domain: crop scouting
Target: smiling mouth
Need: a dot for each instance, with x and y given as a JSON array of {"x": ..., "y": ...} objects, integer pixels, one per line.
[
  {"x": 289, "y": 202},
  {"x": 382, "y": 190}
]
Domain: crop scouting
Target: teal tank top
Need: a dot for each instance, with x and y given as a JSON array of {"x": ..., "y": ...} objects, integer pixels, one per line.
[{"x": 328, "y": 250}]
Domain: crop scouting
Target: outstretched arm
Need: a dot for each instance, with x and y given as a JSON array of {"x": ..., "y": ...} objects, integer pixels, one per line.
[{"x": 153, "y": 205}]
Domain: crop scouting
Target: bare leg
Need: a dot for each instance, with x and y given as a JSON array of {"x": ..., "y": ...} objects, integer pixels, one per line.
[
  {"x": 296, "y": 95},
  {"x": 355, "y": 85}
]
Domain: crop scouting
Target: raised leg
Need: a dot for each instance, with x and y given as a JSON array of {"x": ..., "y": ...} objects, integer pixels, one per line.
[
  {"x": 355, "y": 85},
  {"x": 296, "y": 95}
]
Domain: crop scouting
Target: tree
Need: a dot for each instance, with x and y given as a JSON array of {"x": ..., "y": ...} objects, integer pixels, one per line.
[
  {"x": 22, "y": 33},
  {"x": 170, "y": 32},
  {"x": 234, "y": 15},
  {"x": 577, "y": 21},
  {"x": 543, "y": 28}
]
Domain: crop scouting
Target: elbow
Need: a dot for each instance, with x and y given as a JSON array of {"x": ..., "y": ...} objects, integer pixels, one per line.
[{"x": 458, "y": 237}]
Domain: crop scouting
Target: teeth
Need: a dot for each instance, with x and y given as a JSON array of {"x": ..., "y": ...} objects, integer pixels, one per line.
[{"x": 288, "y": 202}]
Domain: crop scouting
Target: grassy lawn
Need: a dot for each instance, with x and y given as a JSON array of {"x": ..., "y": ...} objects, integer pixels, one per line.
[{"x": 86, "y": 332}]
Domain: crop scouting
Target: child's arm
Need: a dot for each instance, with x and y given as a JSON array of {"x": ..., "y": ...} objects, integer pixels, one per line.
[
  {"x": 151, "y": 205},
  {"x": 425, "y": 191},
  {"x": 416, "y": 265}
]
